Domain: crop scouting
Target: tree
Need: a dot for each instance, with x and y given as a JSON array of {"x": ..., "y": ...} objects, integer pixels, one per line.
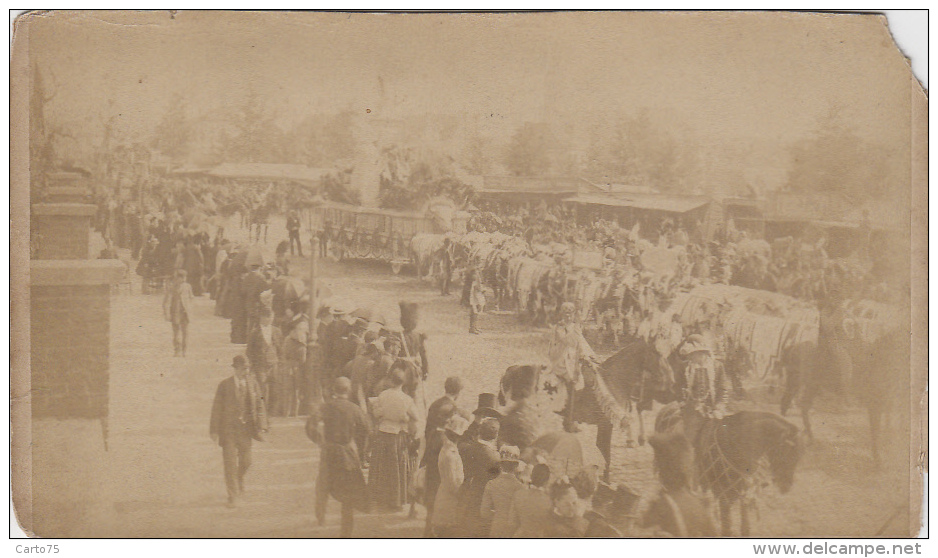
[
  {"x": 322, "y": 140},
  {"x": 174, "y": 131},
  {"x": 42, "y": 132},
  {"x": 476, "y": 155},
  {"x": 837, "y": 161},
  {"x": 632, "y": 150},
  {"x": 257, "y": 139},
  {"x": 530, "y": 150}
]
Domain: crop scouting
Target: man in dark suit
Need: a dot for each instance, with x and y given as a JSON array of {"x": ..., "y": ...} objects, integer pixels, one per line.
[
  {"x": 438, "y": 414},
  {"x": 238, "y": 416},
  {"x": 342, "y": 429},
  {"x": 331, "y": 338},
  {"x": 252, "y": 285},
  {"x": 293, "y": 231},
  {"x": 446, "y": 266},
  {"x": 480, "y": 460}
]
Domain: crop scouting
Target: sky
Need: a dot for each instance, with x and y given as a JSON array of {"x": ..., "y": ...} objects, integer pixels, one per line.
[{"x": 722, "y": 78}]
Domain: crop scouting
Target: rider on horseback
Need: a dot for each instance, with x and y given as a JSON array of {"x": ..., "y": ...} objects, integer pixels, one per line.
[
  {"x": 706, "y": 393},
  {"x": 567, "y": 349},
  {"x": 665, "y": 340}
]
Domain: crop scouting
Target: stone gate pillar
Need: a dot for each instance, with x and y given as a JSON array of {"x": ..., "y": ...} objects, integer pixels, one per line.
[{"x": 69, "y": 308}]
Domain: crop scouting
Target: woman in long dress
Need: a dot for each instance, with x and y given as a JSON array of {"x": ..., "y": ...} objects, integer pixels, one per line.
[
  {"x": 393, "y": 455},
  {"x": 444, "y": 520}
]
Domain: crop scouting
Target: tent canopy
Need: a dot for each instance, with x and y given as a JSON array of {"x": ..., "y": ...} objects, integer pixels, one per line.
[
  {"x": 654, "y": 202},
  {"x": 268, "y": 171}
]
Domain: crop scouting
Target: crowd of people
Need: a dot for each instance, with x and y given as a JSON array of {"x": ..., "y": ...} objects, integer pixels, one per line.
[
  {"x": 384, "y": 448},
  {"x": 799, "y": 267},
  {"x": 361, "y": 380},
  {"x": 172, "y": 218}
]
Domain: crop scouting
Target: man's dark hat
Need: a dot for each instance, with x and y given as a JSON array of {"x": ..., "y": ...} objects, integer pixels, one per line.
[
  {"x": 239, "y": 362},
  {"x": 486, "y": 406},
  {"x": 621, "y": 498},
  {"x": 408, "y": 315},
  {"x": 670, "y": 447}
]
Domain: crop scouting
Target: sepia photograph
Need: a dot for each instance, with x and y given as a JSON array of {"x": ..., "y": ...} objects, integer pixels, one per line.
[{"x": 467, "y": 275}]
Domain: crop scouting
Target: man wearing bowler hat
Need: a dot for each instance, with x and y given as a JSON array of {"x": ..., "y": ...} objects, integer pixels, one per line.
[{"x": 238, "y": 417}]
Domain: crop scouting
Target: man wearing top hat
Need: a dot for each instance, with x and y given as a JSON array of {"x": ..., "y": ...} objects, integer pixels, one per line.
[
  {"x": 484, "y": 409},
  {"x": 480, "y": 464},
  {"x": 238, "y": 417}
]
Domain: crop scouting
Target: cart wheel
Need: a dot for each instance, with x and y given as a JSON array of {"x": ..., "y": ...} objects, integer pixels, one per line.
[{"x": 396, "y": 267}]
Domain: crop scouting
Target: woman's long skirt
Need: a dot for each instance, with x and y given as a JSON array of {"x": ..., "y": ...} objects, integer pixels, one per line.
[{"x": 390, "y": 477}]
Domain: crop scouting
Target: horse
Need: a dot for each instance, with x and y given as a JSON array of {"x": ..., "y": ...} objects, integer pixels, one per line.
[
  {"x": 425, "y": 249},
  {"x": 874, "y": 370},
  {"x": 737, "y": 455},
  {"x": 635, "y": 379}
]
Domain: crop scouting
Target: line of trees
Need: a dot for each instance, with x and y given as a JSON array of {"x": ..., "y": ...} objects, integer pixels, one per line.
[
  {"x": 249, "y": 133},
  {"x": 836, "y": 161},
  {"x": 626, "y": 149}
]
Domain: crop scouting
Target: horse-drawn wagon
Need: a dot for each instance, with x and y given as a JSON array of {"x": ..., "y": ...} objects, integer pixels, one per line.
[
  {"x": 372, "y": 233},
  {"x": 762, "y": 327}
]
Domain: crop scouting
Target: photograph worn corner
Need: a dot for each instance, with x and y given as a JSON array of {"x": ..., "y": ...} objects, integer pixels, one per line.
[{"x": 506, "y": 275}]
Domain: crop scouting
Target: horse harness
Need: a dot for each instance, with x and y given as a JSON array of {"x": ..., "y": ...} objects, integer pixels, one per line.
[{"x": 720, "y": 470}]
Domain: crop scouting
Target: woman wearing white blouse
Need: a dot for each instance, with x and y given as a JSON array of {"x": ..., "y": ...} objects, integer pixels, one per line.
[{"x": 393, "y": 460}]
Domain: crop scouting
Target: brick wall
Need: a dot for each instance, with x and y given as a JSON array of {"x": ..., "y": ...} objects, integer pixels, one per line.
[{"x": 69, "y": 350}]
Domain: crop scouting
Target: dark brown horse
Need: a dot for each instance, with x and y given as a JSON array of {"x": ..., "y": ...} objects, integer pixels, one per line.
[
  {"x": 872, "y": 372},
  {"x": 636, "y": 378},
  {"x": 738, "y": 455},
  {"x": 520, "y": 381}
]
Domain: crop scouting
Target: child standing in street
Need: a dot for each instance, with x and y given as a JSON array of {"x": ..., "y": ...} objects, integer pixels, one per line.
[{"x": 177, "y": 304}]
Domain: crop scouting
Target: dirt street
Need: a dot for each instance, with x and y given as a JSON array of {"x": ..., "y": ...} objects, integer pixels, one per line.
[{"x": 164, "y": 475}]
